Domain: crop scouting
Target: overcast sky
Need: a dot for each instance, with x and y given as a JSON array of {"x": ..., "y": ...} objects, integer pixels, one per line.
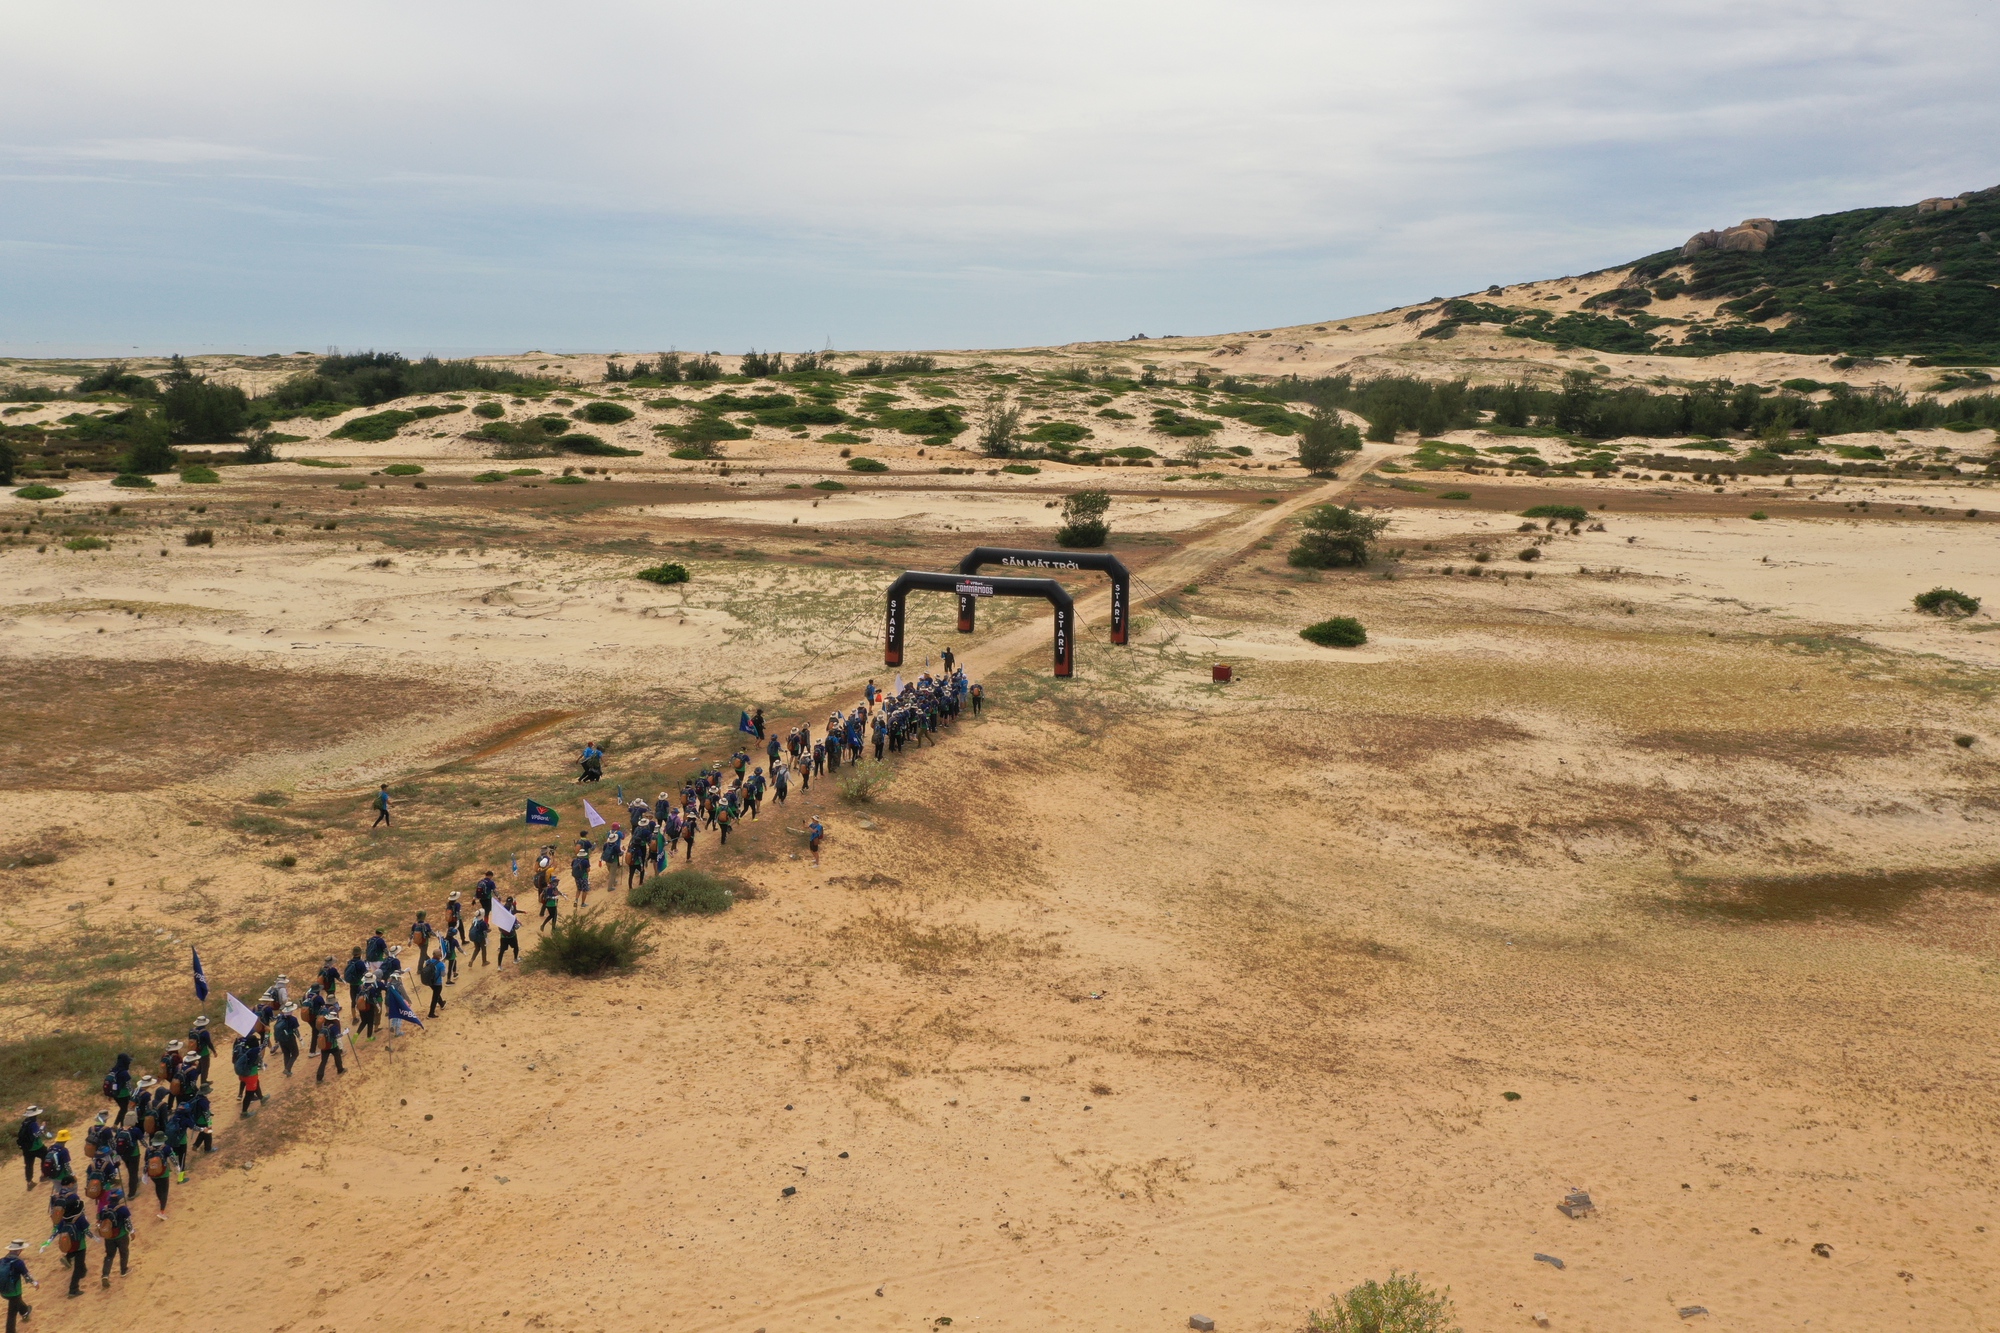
[{"x": 506, "y": 176}]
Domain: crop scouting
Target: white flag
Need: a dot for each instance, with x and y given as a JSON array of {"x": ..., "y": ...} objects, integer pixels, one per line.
[
  {"x": 590, "y": 813},
  {"x": 504, "y": 919},
  {"x": 239, "y": 1018},
  {"x": 899, "y": 683}
]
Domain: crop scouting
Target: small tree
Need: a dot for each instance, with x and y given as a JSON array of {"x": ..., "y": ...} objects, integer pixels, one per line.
[
  {"x": 149, "y": 450},
  {"x": 1327, "y": 442},
  {"x": 198, "y": 412},
  {"x": 1083, "y": 522},
  {"x": 8, "y": 462},
  {"x": 1331, "y": 535},
  {"x": 260, "y": 449},
  {"x": 999, "y": 428}
]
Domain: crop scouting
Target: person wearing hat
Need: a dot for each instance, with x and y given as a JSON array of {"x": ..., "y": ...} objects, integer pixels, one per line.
[
  {"x": 114, "y": 1228},
  {"x": 454, "y": 915},
  {"x": 170, "y": 1067},
  {"x": 30, "y": 1138},
  {"x": 246, "y": 1057},
  {"x": 267, "y": 1013},
  {"x": 286, "y": 1031},
  {"x": 354, "y": 971},
  {"x": 160, "y": 1168},
  {"x": 144, "y": 1118},
  {"x": 203, "y": 1045},
  {"x": 118, "y": 1085},
  {"x": 478, "y": 935},
  {"x": 72, "y": 1238},
  {"x": 449, "y": 945},
  {"x": 509, "y": 939},
  {"x": 329, "y": 1043},
  {"x": 378, "y": 945},
  {"x": 13, "y": 1274},
  {"x": 281, "y": 990},
  {"x": 55, "y": 1157},
  {"x": 129, "y": 1141}
]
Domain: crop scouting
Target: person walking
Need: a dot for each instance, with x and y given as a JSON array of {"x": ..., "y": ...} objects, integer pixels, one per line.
[
  {"x": 550, "y": 896},
  {"x": 510, "y": 939},
  {"x": 286, "y": 1030},
  {"x": 30, "y": 1138},
  {"x": 480, "y": 930},
  {"x": 14, "y": 1277},
  {"x": 114, "y": 1228},
  {"x": 246, "y": 1057},
  {"x": 118, "y": 1085},
  {"x": 129, "y": 1141},
  {"x": 422, "y": 933},
  {"x": 381, "y": 808},
  {"x": 431, "y": 973},
  {"x": 329, "y": 1049},
  {"x": 814, "y": 832},
  {"x": 159, "y": 1169},
  {"x": 612, "y": 854},
  {"x": 72, "y": 1237}
]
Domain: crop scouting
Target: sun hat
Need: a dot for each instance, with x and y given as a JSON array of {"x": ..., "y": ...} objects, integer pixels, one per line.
[
  {"x": 32, "y": 1111},
  {"x": 291, "y": 1008},
  {"x": 14, "y": 1245},
  {"x": 149, "y": 1082},
  {"x": 62, "y": 1136},
  {"x": 201, "y": 1020},
  {"x": 175, "y": 1045}
]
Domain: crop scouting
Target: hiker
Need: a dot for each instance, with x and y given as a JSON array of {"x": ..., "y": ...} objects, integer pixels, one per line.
[
  {"x": 118, "y": 1085},
  {"x": 378, "y": 945},
  {"x": 286, "y": 1029},
  {"x": 781, "y": 777},
  {"x": 977, "y": 692},
  {"x": 159, "y": 1163},
  {"x": 128, "y": 1142},
  {"x": 55, "y": 1156},
  {"x": 72, "y": 1238},
  {"x": 114, "y": 1228},
  {"x": 430, "y": 972},
  {"x": 367, "y": 1009},
  {"x": 454, "y": 917},
  {"x": 814, "y": 832},
  {"x": 329, "y": 1049},
  {"x": 485, "y": 890},
  {"x": 13, "y": 1273},
  {"x": 687, "y": 836},
  {"x": 246, "y": 1057},
  {"x": 356, "y": 970},
  {"x": 612, "y": 854},
  {"x": 478, "y": 935},
  {"x": 591, "y": 762},
  {"x": 447, "y": 959},
  {"x": 422, "y": 933},
  {"x": 579, "y": 873},
  {"x": 510, "y": 939},
  {"x": 381, "y": 808},
  {"x": 550, "y": 895}
]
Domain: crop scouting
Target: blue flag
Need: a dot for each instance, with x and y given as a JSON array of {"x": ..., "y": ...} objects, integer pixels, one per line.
[
  {"x": 400, "y": 1007},
  {"x": 541, "y": 814},
  {"x": 743, "y": 723},
  {"x": 200, "y": 977},
  {"x": 517, "y": 865}
]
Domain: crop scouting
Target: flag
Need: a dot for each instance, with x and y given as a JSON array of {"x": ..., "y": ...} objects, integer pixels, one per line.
[
  {"x": 743, "y": 723},
  {"x": 200, "y": 977},
  {"x": 590, "y": 813},
  {"x": 400, "y": 1007},
  {"x": 899, "y": 683},
  {"x": 540, "y": 814},
  {"x": 517, "y": 863},
  {"x": 239, "y": 1018},
  {"x": 503, "y": 919}
]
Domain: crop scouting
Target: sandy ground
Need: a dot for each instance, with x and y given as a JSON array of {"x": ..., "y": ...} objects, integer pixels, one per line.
[{"x": 1137, "y": 998}]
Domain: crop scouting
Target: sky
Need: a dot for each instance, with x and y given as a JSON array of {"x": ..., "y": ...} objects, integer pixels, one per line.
[{"x": 501, "y": 176}]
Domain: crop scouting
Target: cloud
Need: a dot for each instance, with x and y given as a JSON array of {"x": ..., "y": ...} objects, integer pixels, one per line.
[{"x": 1175, "y": 162}]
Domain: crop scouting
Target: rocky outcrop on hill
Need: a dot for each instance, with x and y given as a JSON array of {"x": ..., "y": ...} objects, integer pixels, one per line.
[
  {"x": 1942, "y": 205},
  {"x": 1751, "y": 234}
]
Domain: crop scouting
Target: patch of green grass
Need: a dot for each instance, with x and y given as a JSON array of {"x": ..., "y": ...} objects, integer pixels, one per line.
[
  {"x": 197, "y": 475},
  {"x": 1021, "y": 469},
  {"x": 843, "y": 437},
  {"x": 602, "y": 413},
  {"x": 1403, "y": 1304},
  {"x": 490, "y": 476},
  {"x": 829, "y": 485},
  {"x": 86, "y": 544},
  {"x": 353, "y": 485},
  {"x": 686, "y": 893},
  {"x": 588, "y": 945},
  {"x": 866, "y": 465},
  {"x": 318, "y": 462},
  {"x": 37, "y": 491},
  {"x": 1946, "y": 602},
  {"x": 567, "y": 481},
  {"x": 134, "y": 481},
  {"x": 1454, "y": 495},
  {"x": 1569, "y": 513},
  {"x": 402, "y": 470}
]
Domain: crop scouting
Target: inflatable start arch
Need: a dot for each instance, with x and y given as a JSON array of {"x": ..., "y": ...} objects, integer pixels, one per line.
[
  {"x": 1009, "y": 557},
  {"x": 971, "y": 589}
]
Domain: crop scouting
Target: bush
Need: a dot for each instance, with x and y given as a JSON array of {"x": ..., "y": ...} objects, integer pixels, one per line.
[
  {"x": 587, "y": 945},
  {"x": 1339, "y": 632},
  {"x": 685, "y": 893},
  {"x": 87, "y": 544},
  {"x": 134, "y": 481},
  {"x": 664, "y": 574},
  {"x": 1326, "y": 443},
  {"x": 1531, "y": 553},
  {"x": 198, "y": 537},
  {"x": 1572, "y": 513},
  {"x": 1021, "y": 469},
  {"x": 566, "y": 481},
  {"x": 491, "y": 411},
  {"x": 1944, "y": 602},
  {"x": 374, "y": 428},
  {"x": 589, "y": 445},
  {"x": 353, "y": 485},
  {"x": 1758, "y": 516},
  {"x": 866, "y": 465},
  {"x": 148, "y": 449},
  {"x": 1058, "y": 432},
  {"x": 863, "y": 781},
  {"x": 37, "y": 491},
  {"x": 829, "y": 485},
  {"x": 843, "y": 437},
  {"x": 1331, "y": 535},
  {"x": 319, "y": 462},
  {"x": 999, "y": 428},
  {"x": 1083, "y": 524},
  {"x": 402, "y": 470},
  {"x": 1403, "y": 1304},
  {"x": 197, "y": 475},
  {"x": 603, "y": 413},
  {"x": 490, "y": 476},
  {"x": 197, "y": 412}
]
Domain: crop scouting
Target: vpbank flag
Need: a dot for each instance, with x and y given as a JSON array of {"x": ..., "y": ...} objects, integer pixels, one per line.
[{"x": 541, "y": 814}]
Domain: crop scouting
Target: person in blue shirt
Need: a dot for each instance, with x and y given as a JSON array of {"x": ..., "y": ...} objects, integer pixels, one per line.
[
  {"x": 14, "y": 1276},
  {"x": 160, "y": 1169},
  {"x": 118, "y": 1086},
  {"x": 378, "y": 946},
  {"x": 381, "y": 808},
  {"x": 478, "y": 935},
  {"x": 814, "y": 832},
  {"x": 357, "y": 969},
  {"x": 286, "y": 1030},
  {"x": 73, "y": 1238},
  {"x": 29, "y": 1138},
  {"x": 114, "y": 1228}
]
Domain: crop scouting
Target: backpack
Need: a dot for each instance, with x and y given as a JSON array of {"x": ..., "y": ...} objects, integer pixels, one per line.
[
  {"x": 111, "y": 1085},
  {"x": 245, "y": 1058},
  {"x": 156, "y": 1163}
]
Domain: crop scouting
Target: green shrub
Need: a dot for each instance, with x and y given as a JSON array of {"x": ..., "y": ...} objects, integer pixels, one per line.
[
  {"x": 87, "y": 544},
  {"x": 566, "y": 481},
  {"x": 1571, "y": 513},
  {"x": 829, "y": 485},
  {"x": 1946, "y": 602},
  {"x": 524, "y": 472},
  {"x": 1530, "y": 554},
  {"x": 843, "y": 437},
  {"x": 690, "y": 452},
  {"x": 1326, "y": 443},
  {"x": 134, "y": 481},
  {"x": 1403, "y": 1304},
  {"x": 1331, "y": 535},
  {"x": 1339, "y": 632},
  {"x": 353, "y": 485},
  {"x": 685, "y": 893},
  {"x": 375, "y": 427},
  {"x": 664, "y": 574},
  {"x": 1058, "y": 432},
  {"x": 197, "y": 475},
  {"x": 1758, "y": 515},
  {"x": 1083, "y": 522},
  {"x": 1454, "y": 495},
  {"x": 604, "y": 414},
  {"x": 37, "y": 491},
  {"x": 588, "y": 945},
  {"x": 1021, "y": 469},
  {"x": 589, "y": 445},
  {"x": 198, "y": 537},
  {"x": 402, "y": 470},
  {"x": 491, "y": 476},
  {"x": 863, "y": 781},
  {"x": 491, "y": 411},
  {"x": 866, "y": 465},
  {"x": 319, "y": 462}
]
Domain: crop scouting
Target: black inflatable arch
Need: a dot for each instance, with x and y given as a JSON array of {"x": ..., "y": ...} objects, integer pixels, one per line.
[
  {"x": 1121, "y": 580},
  {"x": 912, "y": 580}
]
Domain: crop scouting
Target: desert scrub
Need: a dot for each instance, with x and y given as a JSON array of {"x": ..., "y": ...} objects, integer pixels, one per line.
[
  {"x": 567, "y": 481},
  {"x": 198, "y": 537},
  {"x": 1021, "y": 469},
  {"x": 375, "y": 427},
  {"x": 86, "y": 544},
  {"x": 664, "y": 574},
  {"x": 134, "y": 481},
  {"x": 1946, "y": 602},
  {"x": 576, "y": 442},
  {"x": 862, "y": 782},
  {"x": 197, "y": 475},
  {"x": 1572, "y": 513},
  {"x": 588, "y": 945},
  {"x": 38, "y": 491},
  {"x": 829, "y": 485},
  {"x": 1338, "y": 632},
  {"x": 866, "y": 465},
  {"x": 603, "y": 414},
  {"x": 402, "y": 470},
  {"x": 1083, "y": 521},
  {"x": 491, "y": 411},
  {"x": 1403, "y": 1304},
  {"x": 686, "y": 893}
]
